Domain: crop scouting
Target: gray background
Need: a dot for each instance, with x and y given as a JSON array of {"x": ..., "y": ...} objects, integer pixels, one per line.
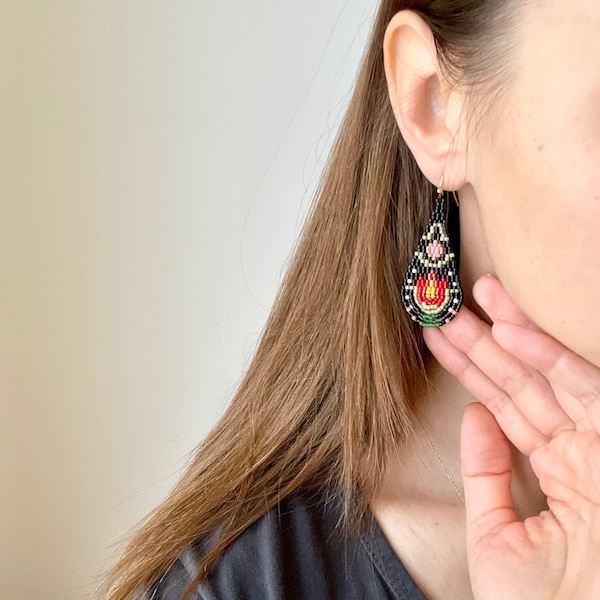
[{"x": 157, "y": 160}]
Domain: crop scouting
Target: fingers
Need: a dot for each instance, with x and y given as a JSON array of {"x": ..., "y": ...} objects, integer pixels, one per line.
[
  {"x": 576, "y": 381},
  {"x": 520, "y": 431},
  {"x": 490, "y": 294},
  {"x": 486, "y": 473},
  {"x": 516, "y": 382}
]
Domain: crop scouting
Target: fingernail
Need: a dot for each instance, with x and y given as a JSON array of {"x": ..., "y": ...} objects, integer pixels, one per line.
[{"x": 478, "y": 297}]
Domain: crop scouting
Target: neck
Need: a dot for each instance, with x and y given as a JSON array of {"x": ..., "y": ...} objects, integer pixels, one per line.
[{"x": 416, "y": 474}]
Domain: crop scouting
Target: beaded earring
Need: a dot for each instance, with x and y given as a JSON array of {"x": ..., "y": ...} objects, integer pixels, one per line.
[{"x": 431, "y": 292}]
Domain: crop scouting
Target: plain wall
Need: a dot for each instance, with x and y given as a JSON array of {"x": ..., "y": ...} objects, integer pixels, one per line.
[{"x": 157, "y": 160}]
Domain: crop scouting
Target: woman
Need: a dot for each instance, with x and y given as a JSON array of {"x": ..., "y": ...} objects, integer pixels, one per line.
[{"x": 341, "y": 465}]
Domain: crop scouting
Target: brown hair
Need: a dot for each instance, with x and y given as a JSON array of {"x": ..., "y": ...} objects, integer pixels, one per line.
[{"x": 339, "y": 366}]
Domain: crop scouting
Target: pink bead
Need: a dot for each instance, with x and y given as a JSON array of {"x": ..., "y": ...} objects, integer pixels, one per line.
[{"x": 435, "y": 250}]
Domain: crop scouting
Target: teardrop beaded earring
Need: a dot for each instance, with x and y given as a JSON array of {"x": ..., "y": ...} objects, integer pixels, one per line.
[{"x": 431, "y": 292}]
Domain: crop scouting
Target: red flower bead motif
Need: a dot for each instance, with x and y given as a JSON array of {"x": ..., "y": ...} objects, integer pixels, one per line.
[{"x": 432, "y": 290}]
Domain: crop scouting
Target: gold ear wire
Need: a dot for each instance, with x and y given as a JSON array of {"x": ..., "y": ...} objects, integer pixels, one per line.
[{"x": 440, "y": 189}]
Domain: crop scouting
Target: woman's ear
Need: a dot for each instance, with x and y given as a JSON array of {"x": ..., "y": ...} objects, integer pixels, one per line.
[{"x": 426, "y": 110}]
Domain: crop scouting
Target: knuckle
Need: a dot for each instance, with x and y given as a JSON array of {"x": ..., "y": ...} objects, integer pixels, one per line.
[
  {"x": 498, "y": 404},
  {"x": 516, "y": 382},
  {"x": 590, "y": 398}
]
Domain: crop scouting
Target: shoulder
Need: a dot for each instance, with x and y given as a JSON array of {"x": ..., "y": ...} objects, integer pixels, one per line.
[{"x": 295, "y": 550}]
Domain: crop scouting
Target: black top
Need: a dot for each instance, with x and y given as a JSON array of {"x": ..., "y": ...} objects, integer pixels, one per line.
[{"x": 294, "y": 552}]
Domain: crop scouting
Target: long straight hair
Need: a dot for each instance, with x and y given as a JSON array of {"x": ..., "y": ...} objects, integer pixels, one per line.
[{"x": 339, "y": 367}]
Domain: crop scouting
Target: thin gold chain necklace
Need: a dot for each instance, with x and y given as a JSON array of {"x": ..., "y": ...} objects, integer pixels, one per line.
[{"x": 460, "y": 494}]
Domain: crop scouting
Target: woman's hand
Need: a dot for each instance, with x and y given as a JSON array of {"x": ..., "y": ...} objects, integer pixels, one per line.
[{"x": 546, "y": 400}]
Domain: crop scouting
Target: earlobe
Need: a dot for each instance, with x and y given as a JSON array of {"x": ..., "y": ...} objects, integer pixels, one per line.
[{"x": 417, "y": 95}]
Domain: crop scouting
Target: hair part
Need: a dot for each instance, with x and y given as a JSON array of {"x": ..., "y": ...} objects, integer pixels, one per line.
[{"x": 331, "y": 388}]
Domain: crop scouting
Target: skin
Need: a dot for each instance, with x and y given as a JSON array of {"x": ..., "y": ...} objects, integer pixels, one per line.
[{"x": 536, "y": 391}]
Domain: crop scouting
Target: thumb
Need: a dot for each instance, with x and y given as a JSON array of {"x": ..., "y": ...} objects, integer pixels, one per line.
[{"x": 486, "y": 473}]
